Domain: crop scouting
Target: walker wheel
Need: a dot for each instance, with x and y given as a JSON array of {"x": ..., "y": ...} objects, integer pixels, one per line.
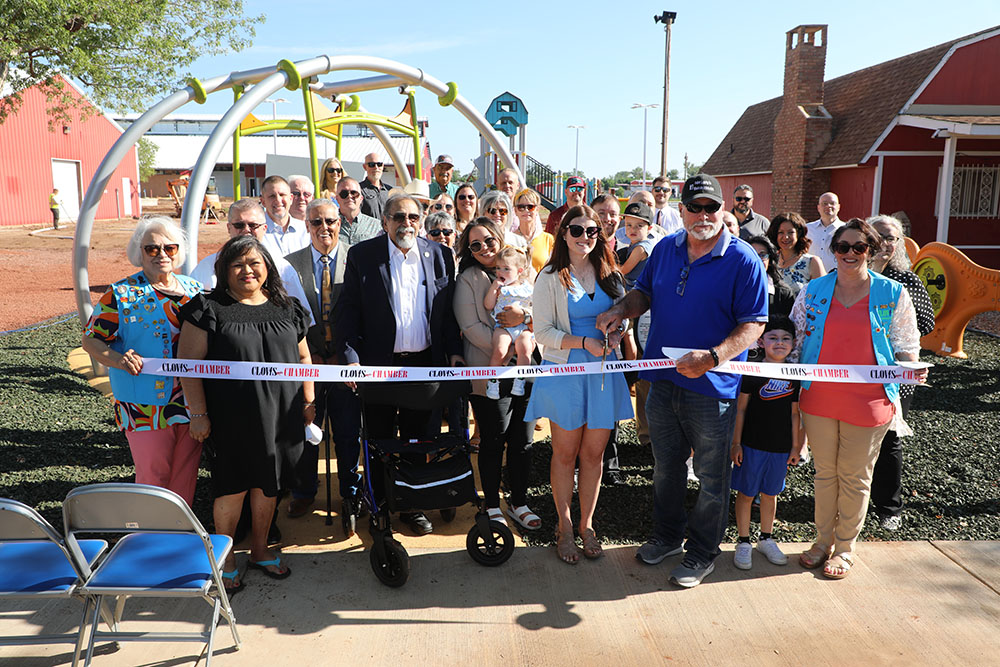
[
  {"x": 494, "y": 554},
  {"x": 395, "y": 570}
]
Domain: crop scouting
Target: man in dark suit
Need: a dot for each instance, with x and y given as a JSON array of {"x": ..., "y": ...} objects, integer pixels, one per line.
[
  {"x": 395, "y": 309},
  {"x": 320, "y": 268}
]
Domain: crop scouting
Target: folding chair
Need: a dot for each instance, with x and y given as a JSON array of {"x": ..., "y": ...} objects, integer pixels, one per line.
[
  {"x": 166, "y": 553},
  {"x": 35, "y": 563}
]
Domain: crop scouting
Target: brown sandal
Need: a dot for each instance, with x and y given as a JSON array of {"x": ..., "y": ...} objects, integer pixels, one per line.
[
  {"x": 842, "y": 562},
  {"x": 592, "y": 548},
  {"x": 814, "y": 557},
  {"x": 566, "y": 548}
]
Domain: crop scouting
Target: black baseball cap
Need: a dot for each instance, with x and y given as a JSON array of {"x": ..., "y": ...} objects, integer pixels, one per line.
[
  {"x": 701, "y": 185},
  {"x": 639, "y": 210}
]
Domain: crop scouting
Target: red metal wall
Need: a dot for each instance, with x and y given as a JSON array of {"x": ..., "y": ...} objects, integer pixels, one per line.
[
  {"x": 28, "y": 148},
  {"x": 962, "y": 79},
  {"x": 761, "y": 184},
  {"x": 854, "y": 189}
]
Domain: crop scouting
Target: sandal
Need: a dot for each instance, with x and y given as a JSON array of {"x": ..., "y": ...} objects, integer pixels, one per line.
[
  {"x": 813, "y": 558},
  {"x": 265, "y": 564},
  {"x": 524, "y": 517},
  {"x": 231, "y": 591},
  {"x": 592, "y": 548},
  {"x": 838, "y": 566},
  {"x": 566, "y": 548},
  {"x": 496, "y": 514}
]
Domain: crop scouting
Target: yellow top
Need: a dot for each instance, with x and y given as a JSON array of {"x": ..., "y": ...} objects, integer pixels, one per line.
[{"x": 53, "y": 202}]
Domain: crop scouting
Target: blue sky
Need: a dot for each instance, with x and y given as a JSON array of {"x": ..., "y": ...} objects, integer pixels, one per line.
[{"x": 586, "y": 63}]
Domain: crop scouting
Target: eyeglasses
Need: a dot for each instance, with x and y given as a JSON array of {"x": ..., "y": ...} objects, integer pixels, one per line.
[
  {"x": 302, "y": 194},
  {"x": 497, "y": 211},
  {"x": 891, "y": 240},
  {"x": 253, "y": 226},
  {"x": 710, "y": 207},
  {"x": 477, "y": 246},
  {"x": 576, "y": 188},
  {"x": 334, "y": 170},
  {"x": 330, "y": 222},
  {"x": 399, "y": 217},
  {"x": 439, "y": 232},
  {"x": 443, "y": 207},
  {"x": 374, "y": 164},
  {"x": 525, "y": 207},
  {"x": 843, "y": 247},
  {"x": 609, "y": 215},
  {"x": 658, "y": 188},
  {"x": 743, "y": 198},
  {"x": 466, "y": 197},
  {"x": 576, "y": 231},
  {"x": 763, "y": 254},
  {"x": 344, "y": 194},
  {"x": 170, "y": 249},
  {"x": 683, "y": 283}
]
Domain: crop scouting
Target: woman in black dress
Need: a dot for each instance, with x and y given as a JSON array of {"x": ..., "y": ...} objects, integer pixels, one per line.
[{"x": 253, "y": 429}]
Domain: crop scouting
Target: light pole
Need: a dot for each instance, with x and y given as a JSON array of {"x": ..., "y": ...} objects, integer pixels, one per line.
[
  {"x": 645, "y": 109},
  {"x": 667, "y": 19},
  {"x": 576, "y": 161},
  {"x": 274, "y": 116}
]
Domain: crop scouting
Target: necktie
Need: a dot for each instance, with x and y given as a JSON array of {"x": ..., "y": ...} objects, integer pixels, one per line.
[
  {"x": 659, "y": 217},
  {"x": 325, "y": 295}
]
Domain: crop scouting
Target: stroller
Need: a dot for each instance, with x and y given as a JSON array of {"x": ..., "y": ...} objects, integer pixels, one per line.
[{"x": 442, "y": 480}]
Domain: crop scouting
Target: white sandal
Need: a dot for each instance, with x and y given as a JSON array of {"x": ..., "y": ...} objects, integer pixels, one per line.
[
  {"x": 524, "y": 517},
  {"x": 496, "y": 515}
]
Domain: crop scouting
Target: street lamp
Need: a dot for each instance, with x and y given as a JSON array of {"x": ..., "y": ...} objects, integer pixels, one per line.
[
  {"x": 576, "y": 161},
  {"x": 274, "y": 116},
  {"x": 667, "y": 19},
  {"x": 645, "y": 108}
]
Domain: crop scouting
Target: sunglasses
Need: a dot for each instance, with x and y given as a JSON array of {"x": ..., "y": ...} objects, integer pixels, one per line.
[
  {"x": 466, "y": 197},
  {"x": 330, "y": 222},
  {"x": 439, "y": 232},
  {"x": 399, "y": 217},
  {"x": 443, "y": 207},
  {"x": 683, "y": 283},
  {"x": 576, "y": 231},
  {"x": 488, "y": 242},
  {"x": 301, "y": 194},
  {"x": 661, "y": 189},
  {"x": 169, "y": 249},
  {"x": 374, "y": 164},
  {"x": 525, "y": 207},
  {"x": 334, "y": 170},
  {"x": 576, "y": 188},
  {"x": 710, "y": 207},
  {"x": 742, "y": 198},
  {"x": 253, "y": 226},
  {"x": 843, "y": 247},
  {"x": 344, "y": 194},
  {"x": 497, "y": 211}
]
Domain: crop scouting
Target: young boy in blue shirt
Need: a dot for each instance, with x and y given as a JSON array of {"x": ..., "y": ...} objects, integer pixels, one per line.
[{"x": 767, "y": 438}]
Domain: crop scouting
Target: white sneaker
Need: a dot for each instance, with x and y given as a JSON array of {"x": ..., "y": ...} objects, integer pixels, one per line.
[
  {"x": 518, "y": 388},
  {"x": 743, "y": 558},
  {"x": 493, "y": 389},
  {"x": 690, "y": 465},
  {"x": 771, "y": 552}
]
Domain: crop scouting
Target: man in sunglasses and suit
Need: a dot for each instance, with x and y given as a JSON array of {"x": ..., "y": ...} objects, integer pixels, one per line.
[
  {"x": 355, "y": 226},
  {"x": 706, "y": 292},
  {"x": 373, "y": 190},
  {"x": 395, "y": 309}
]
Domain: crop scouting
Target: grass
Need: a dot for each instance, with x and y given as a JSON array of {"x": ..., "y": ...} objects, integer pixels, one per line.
[{"x": 57, "y": 433}]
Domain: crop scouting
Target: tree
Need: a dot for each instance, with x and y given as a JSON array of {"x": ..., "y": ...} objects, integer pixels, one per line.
[
  {"x": 147, "y": 158},
  {"x": 124, "y": 52}
]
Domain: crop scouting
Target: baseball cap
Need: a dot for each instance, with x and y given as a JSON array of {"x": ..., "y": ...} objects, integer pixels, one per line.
[
  {"x": 639, "y": 210},
  {"x": 444, "y": 159},
  {"x": 701, "y": 185},
  {"x": 575, "y": 180}
]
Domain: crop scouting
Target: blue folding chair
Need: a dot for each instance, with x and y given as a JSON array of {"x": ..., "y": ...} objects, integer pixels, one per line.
[
  {"x": 166, "y": 553},
  {"x": 35, "y": 563}
]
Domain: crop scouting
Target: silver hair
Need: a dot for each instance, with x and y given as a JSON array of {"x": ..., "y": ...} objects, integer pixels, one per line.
[
  {"x": 439, "y": 219},
  {"x": 163, "y": 225},
  {"x": 396, "y": 201},
  {"x": 490, "y": 198},
  {"x": 300, "y": 177},
  {"x": 900, "y": 260},
  {"x": 316, "y": 203},
  {"x": 251, "y": 204}
]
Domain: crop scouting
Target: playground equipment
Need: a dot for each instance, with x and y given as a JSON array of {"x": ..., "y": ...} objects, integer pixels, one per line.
[
  {"x": 959, "y": 289},
  {"x": 250, "y": 88}
]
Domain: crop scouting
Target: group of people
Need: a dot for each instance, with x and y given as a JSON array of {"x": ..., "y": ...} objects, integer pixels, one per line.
[{"x": 442, "y": 275}]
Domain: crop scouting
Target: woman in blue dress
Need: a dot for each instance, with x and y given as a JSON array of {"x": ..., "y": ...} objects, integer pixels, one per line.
[{"x": 579, "y": 282}]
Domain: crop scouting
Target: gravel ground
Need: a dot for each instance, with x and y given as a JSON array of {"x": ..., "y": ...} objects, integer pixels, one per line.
[{"x": 57, "y": 433}]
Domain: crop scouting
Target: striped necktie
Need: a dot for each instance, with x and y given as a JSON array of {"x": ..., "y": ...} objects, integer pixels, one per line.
[{"x": 326, "y": 295}]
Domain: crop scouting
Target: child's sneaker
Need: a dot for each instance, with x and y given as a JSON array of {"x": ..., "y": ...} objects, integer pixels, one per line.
[
  {"x": 493, "y": 389},
  {"x": 743, "y": 558},
  {"x": 771, "y": 551},
  {"x": 518, "y": 388}
]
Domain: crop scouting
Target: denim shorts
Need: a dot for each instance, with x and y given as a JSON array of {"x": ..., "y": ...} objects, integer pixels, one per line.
[{"x": 761, "y": 472}]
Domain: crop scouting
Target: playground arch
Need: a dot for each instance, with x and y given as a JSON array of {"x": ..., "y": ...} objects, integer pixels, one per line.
[{"x": 252, "y": 87}]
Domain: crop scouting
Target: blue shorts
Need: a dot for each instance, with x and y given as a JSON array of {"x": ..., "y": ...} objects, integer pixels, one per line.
[{"x": 761, "y": 472}]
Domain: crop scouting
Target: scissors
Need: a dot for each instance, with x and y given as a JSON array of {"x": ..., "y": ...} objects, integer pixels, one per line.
[{"x": 604, "y": 356}]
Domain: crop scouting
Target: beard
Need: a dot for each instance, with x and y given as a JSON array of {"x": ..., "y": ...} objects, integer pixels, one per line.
[
  {"x": 406, "y": 239},
  {"x": 705, "y": 235}
]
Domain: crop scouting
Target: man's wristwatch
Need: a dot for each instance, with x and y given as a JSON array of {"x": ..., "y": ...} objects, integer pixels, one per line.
[
  {"x": 527, "y": 319},
  {"x": 715, "y": 356}
]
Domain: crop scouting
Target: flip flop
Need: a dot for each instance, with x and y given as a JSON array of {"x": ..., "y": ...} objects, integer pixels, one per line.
[
  {"x": 524, "y": 517},
  {"x": 231, "y": 576},
  {"x": 264, "y": 564}
]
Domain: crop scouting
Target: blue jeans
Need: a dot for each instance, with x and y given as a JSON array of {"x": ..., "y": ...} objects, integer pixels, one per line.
[
  {"x": 681, "y": 420},
  {"x": 344, "y": 408}
]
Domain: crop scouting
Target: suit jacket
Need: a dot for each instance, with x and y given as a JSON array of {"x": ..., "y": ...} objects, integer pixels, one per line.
[
  {"x": 364, "y": 325},
  {"x": 302, "y": 262}
]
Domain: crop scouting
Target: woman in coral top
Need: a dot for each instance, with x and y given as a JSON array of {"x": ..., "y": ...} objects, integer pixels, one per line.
[{"x": 850, "y": 316}]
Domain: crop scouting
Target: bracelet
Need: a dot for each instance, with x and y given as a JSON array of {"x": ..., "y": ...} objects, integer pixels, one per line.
[
  {"x": 583, "y": 342},
  {"x": 309, "y": 404},
  {"x": 200, "y": 414},
  {"x": 715, "y": 356}
]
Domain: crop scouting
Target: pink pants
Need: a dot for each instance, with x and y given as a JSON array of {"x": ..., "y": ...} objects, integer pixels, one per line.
[{"x": 166, "y": 457}]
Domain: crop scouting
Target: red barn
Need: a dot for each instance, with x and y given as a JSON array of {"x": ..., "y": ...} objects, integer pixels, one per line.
[
  {"x": 918, "y": 135},
  {"x": 34, "y": 160}
]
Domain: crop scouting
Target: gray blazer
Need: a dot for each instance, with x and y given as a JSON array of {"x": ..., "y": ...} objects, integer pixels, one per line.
[{"x": 302, "y": 262}]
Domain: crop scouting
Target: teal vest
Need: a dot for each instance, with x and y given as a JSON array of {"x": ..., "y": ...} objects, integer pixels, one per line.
[
  {"x": 143, "y": 327},
  {"x": 882, "y": 299}
]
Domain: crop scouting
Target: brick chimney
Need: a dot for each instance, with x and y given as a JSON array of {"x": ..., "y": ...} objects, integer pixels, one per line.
[{"x": 802, "y": 128}]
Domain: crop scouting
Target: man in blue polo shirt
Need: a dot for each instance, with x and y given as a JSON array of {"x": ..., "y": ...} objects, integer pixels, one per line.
[{"x": 706, "y": 291}]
